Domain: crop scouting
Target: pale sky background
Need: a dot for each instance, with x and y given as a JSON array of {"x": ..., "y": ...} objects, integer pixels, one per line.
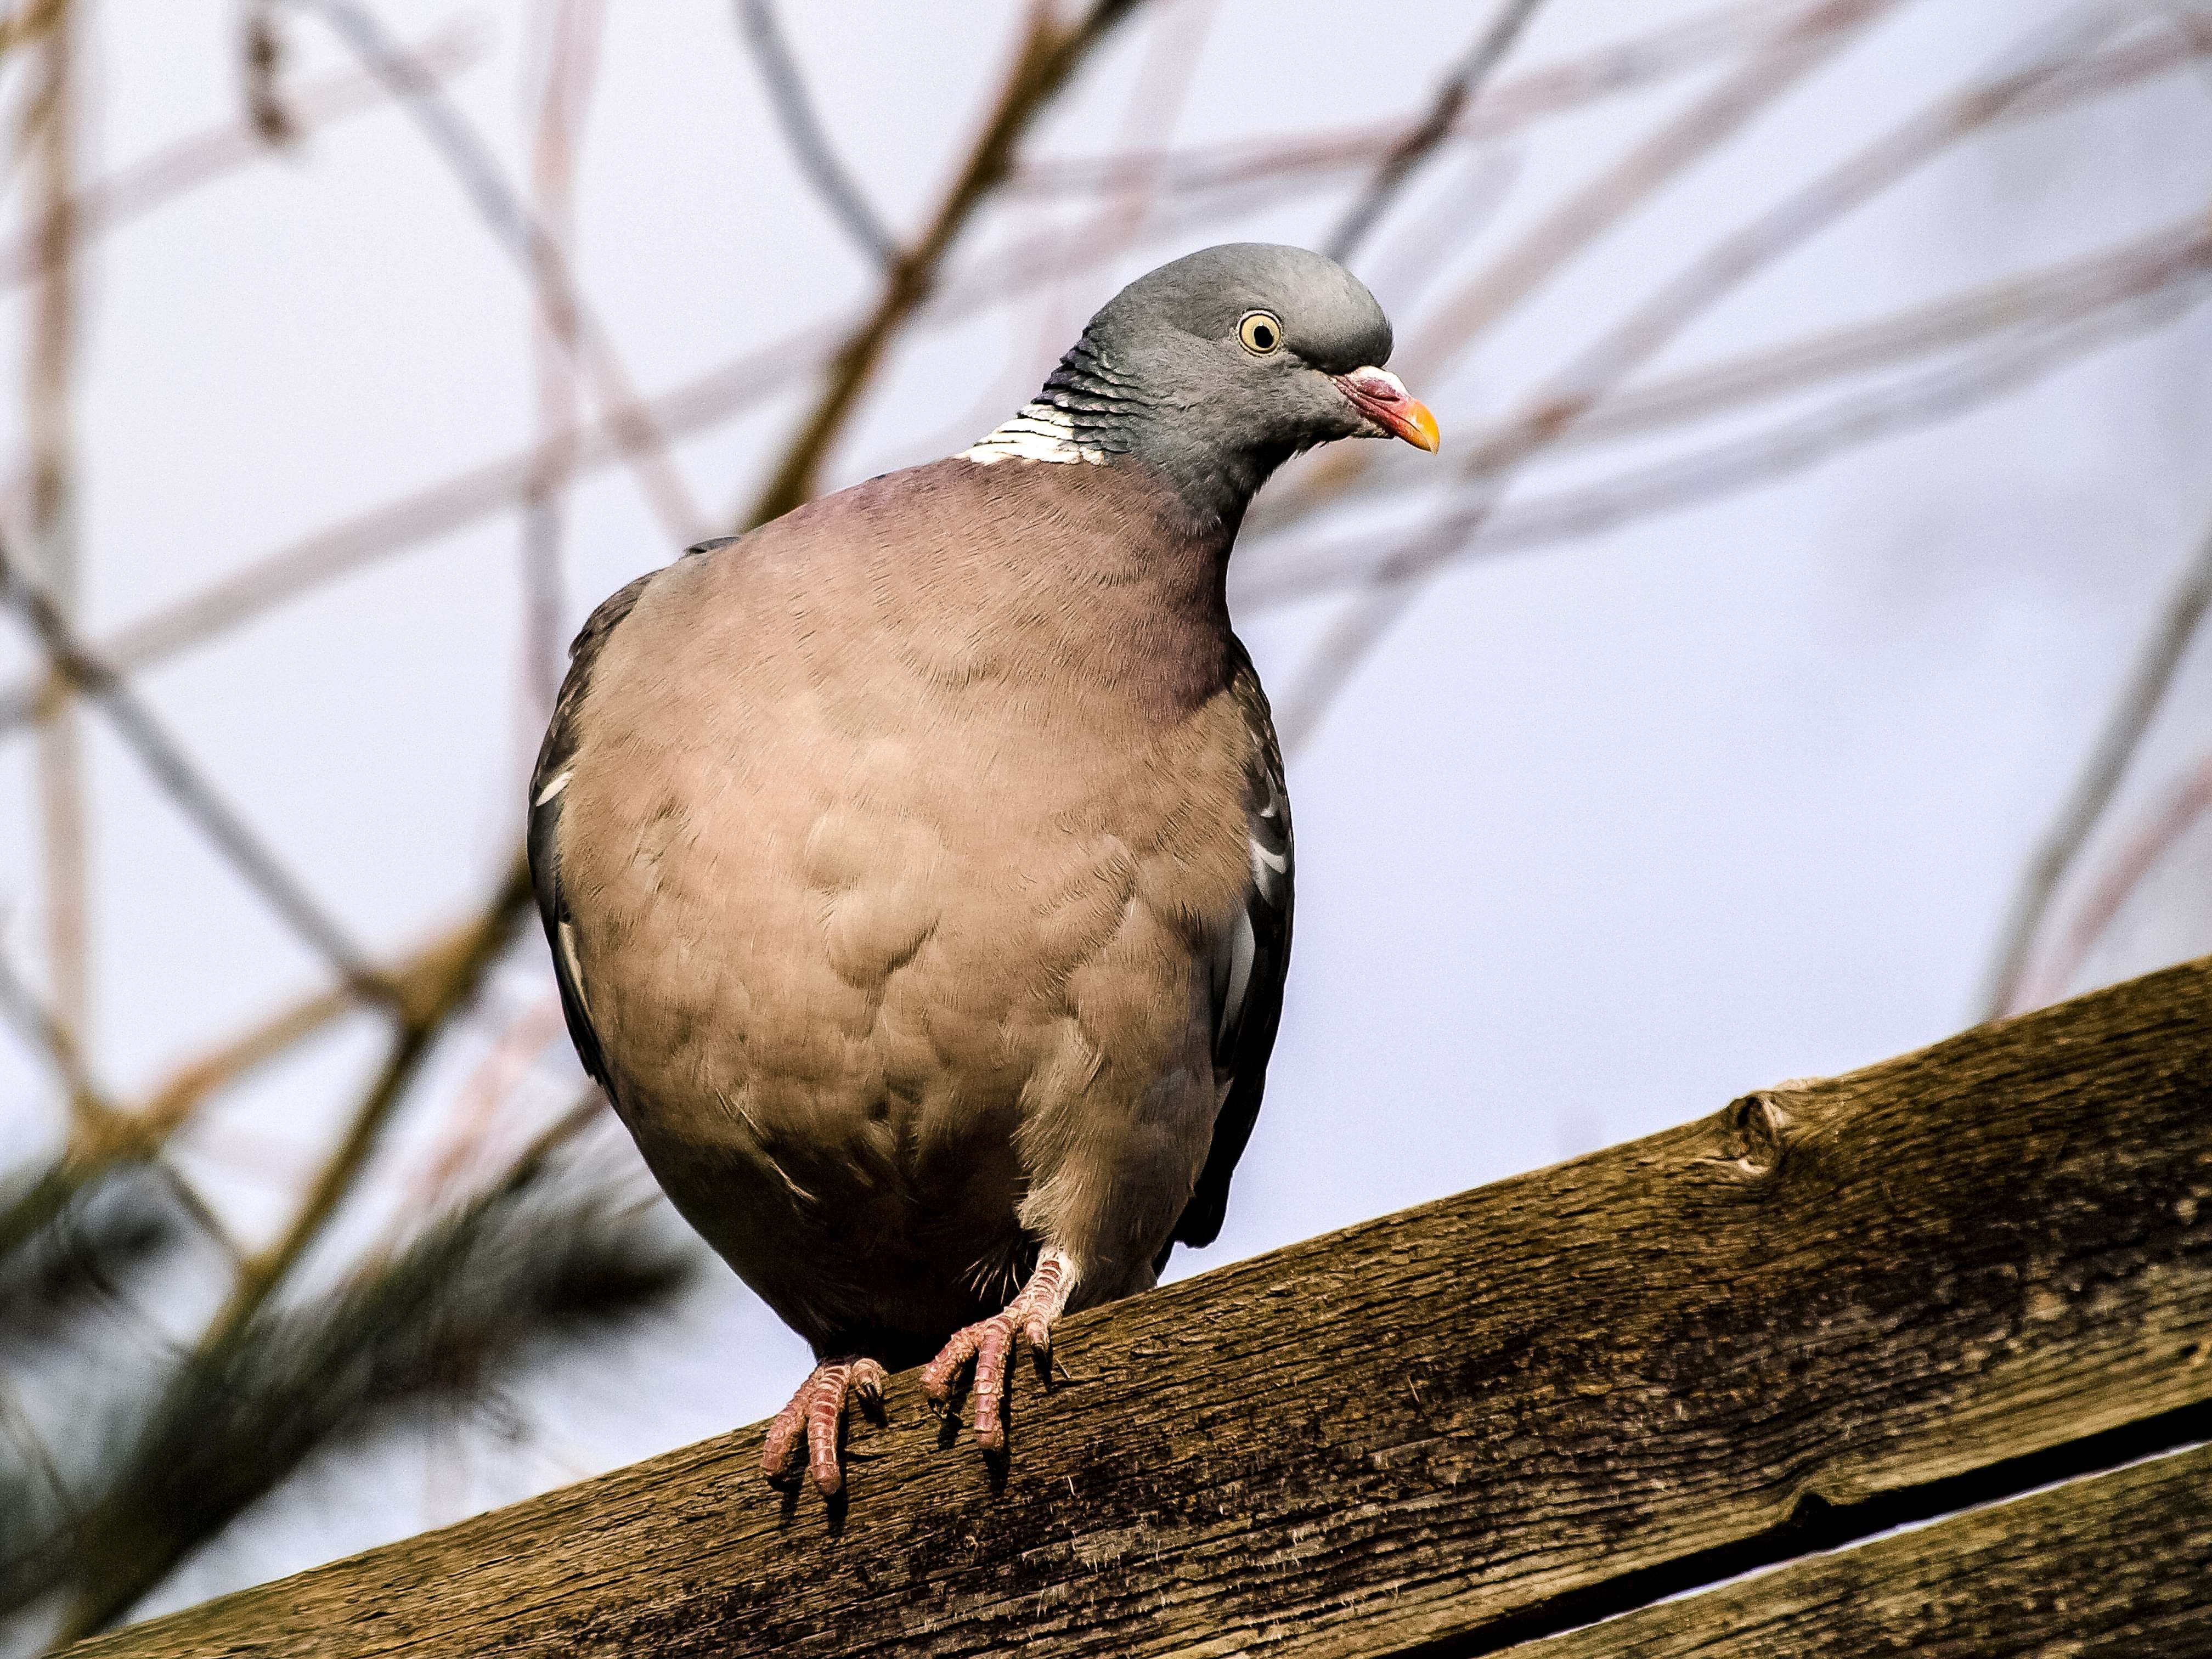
[{"x": 1605, "y": 834}]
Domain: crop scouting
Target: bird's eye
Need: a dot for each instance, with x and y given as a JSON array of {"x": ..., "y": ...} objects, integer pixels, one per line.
[{"x": 1261, "y": 331}]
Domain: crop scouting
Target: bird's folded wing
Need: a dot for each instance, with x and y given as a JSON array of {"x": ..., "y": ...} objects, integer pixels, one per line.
[
  {"x": 548, "y": 789},
  {"x": 1251, "y": 961}
]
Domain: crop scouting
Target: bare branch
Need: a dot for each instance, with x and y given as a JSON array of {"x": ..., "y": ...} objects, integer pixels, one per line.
[
  {"x": 1625, "y": 66},
  {"x": 2174, "y": 256},
  {"x": 2186, "y": 806},
  {"x": 1048, "y": 56},
  {"x": 1480, "y": 531},
  {"x": 1554, "y": 241},
  {"x": 2049, "y": 82},
  {"x": 1460, "y": 88},
  {"x": 573, "y": 28},
  {"x": 2086, "y": 804},
  {"x": 96, "y": 1148},
  {"x": 525, "y": 242},
  {"x": 423, "y": 1015},
  {"x": 265, "y": 105},
  {"x": 28, "y": 21},
  {"x": 225, "y": 830},
  {"x": 39, "y": 1027},
  {"x": 810, "y": 146},
  {"x": 1562, "y": 234},
  {"x": 152, "y": 181},
  {"x": 49, "y": 133}
]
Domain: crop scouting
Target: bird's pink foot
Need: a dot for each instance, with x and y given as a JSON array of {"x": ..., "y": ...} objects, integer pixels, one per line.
[
  {"x": 814, "y": 1416},
  {"x": 990, "y": 1344}
]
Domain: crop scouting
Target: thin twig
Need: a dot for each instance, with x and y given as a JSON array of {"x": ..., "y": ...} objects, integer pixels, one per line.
[
  {"x": 810, "y": 146},
  {"x": 44, "y": 1030},
  {"x": 1479, "y": 531},
  {"x": 267, "y": 106},
  {"x": 27, "y": 22},
  {"x": 223, "y": 827},
  {"x": 2092, "y": 795},
  {"x": 1460, "y": 88},
  {"x": 2186, "y": 806},
  {"x": 1568, "y": 230},
  {"x": 49, "y": 132},
  {"x": 473, "y": 165},
  {"x": 1166, "y": 72},
  {"x": 421, "y": 1020},
  {"x": 1556, "y": 240},
  {"x": 132, "y": 1137},
  {"x": 2053, "y": 79},
  {"x": 1625, "y": 66},
  {"x": 1047, "y": 55},
  {"x": 154, "y": 180},
  {"x": 2174, "y": 255},
  {"x": 572, "y": 32}
]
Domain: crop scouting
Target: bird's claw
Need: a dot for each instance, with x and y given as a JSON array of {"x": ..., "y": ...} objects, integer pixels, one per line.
[
  {"x": 814, "y": 1417},
  {"x": 990, "y": 1344}
]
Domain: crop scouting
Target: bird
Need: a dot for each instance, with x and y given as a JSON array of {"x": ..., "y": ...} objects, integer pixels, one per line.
[{"x": 917, "y": 866}]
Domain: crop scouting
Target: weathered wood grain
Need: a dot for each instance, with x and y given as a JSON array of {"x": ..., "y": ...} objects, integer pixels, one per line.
[
  {"x": 1476, "y": 1422},
  {"x": 2118, "y": 1565}
]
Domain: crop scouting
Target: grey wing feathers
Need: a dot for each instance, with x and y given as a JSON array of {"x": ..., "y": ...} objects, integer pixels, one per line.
[
  {"x": 1248, "y": 970},
  {"x": 547, "y": 784}
]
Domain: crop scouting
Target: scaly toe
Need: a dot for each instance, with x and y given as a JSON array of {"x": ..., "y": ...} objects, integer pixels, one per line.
[{"x": 787, "y": 1432}]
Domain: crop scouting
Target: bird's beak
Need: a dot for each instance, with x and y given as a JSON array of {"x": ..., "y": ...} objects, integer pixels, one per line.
[{"x": 1383, "y": 398}]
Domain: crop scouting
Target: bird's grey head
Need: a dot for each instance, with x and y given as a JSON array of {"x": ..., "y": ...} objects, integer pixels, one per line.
[{"x": 1216, "y": 369}]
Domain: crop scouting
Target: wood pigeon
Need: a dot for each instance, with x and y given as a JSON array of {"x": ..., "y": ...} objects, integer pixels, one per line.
[{"x": 917, "y": 866}]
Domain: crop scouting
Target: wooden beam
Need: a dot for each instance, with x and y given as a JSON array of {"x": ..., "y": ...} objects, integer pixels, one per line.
[
  {"x": 1828, "y": 1308},
  {"x": 2116, "y": 1564}
]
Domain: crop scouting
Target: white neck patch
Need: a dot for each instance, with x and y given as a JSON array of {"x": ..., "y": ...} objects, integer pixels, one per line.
[{"x": 1038, "y": 432}]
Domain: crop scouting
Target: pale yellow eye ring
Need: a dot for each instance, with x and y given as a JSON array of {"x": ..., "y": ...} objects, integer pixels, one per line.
[{"x": 1260, "y": 333}]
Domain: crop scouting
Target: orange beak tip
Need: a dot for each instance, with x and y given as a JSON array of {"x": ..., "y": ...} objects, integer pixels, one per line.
[{"x": 1420, "y": 429}]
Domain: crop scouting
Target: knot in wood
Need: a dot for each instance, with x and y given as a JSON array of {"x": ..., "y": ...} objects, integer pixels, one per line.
[{"x": 1758, "y": 1131}]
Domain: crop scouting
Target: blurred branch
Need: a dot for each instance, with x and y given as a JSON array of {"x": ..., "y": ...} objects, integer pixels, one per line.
[
  {"x": 1625, "y": 66},
  {"x": 79, "y": 1262},
  {"x": 810, "y": 146},
  {"x": 2173, "y": 256},
  {"x": 132, "y": 191},
  {"x": 1565, "y": 233},
  {"x": 2049, "y": 82},
  {"x": 44, "y": 1030},
  {"x": 1480, "y": 531},
  {"x": 133, "y": 1137},
  {"x": 1549, "y": 245},
  {"x": 2086, "y": 804},
  {"x": 1048, "y": 54},
  {"x": 224, "y": 829},
  {"x": 1571, "y": 227},
  {"x": 473, "y": 1294},
  {"x": 422, "y": 1016},
  {"x": 266, "y": 108},
  {"x": 567, "y": 314},
  {"x": 28, "y": 21},
  {"x": 1460, "y": 88},
  {"x": 2176, "y": 255},
  {"x": 2140, "y": 852},
  {"x": 48, "y": 132},
  {"x": 572, "y": 32}
]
